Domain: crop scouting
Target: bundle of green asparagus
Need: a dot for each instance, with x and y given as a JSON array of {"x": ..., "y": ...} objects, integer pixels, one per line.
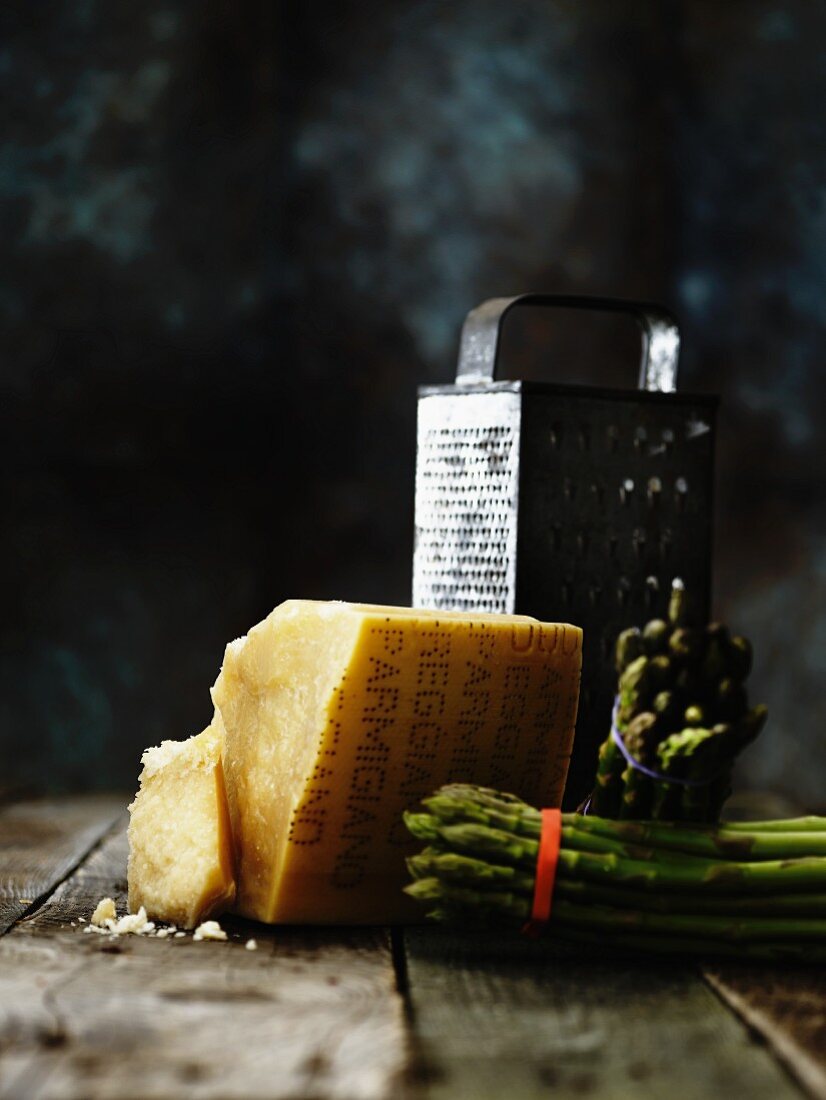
[
  {"x": 681, "y": 711},
  {"x": 751, "y": 890}
]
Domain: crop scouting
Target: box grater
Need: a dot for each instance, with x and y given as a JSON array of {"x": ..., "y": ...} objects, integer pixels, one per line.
[{"x": 569, "y": 503}]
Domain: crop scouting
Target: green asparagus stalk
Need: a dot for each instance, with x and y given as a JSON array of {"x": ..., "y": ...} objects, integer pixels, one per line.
[
  {"x": 607, "y": 794},
  {"x": 628, "y": 648},
  {"x": 805, "y": 836},
  {"x": 641, "y": 738},
  {"x": 677, "y": 604},
  {"x": 655, "y": 637},
  {"x": 633, "y": 688}
]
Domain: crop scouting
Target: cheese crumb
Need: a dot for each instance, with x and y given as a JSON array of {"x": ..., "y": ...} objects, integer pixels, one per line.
[
  {"x": 105, "y": 921},
  {"x": 132, "y": 924},
  {"x": 105, "y": 911},
  {"x": 25, "y": 901},
  {"x": 180, "y": 935},
  {"x": 251, "y": 945},
  {"x": 209, "y": 930}
]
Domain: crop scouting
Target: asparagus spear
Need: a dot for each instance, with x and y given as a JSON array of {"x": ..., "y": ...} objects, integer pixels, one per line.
[
  {"x": 673, "y": 756},
  {"x": 641, "y": 738},
  {"x": 655, "y": 637},
  {"x": 677, "y": 603},
  {"x": 744, "y": 841},
  {"x": 628, "y": 648},
  {"x": 634, "y": 684}
]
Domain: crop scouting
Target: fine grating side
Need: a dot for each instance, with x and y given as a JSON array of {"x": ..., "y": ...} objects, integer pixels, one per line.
[{"x": 467, "y": 483}]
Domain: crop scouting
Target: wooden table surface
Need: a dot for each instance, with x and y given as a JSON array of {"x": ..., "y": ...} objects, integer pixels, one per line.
[{"x": 361, "y": 1013}]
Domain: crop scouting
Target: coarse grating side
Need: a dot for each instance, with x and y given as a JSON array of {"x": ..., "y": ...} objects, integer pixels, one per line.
[
  {"x": 568, "y": 503},
  {"x": 466, "y": 491},
  {"x": 615, "y": 500}
]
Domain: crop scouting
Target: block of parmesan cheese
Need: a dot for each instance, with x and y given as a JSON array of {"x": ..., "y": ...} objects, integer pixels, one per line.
[
  {"x": 338, "y": 717},
  {"x": 180, "y": 849}
]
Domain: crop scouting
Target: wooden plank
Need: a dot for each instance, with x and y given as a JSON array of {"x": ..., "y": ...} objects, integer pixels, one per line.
[
  {"x": 41, "y": 842},
  {"x": 502, "y": 1016},
  {"x": 787, "y": 1007},
  {"x": 312, "y": 1013}
]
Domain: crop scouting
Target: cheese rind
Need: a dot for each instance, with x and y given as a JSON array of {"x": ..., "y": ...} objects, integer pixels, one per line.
[
  {"x": 180, "y": 850},
  {"x": 338, "y": 717}
]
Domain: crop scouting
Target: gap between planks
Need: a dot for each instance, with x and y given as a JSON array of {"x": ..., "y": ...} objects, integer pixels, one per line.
[
  {"x": 41, "y": 842},
  {"x": 500, "y": 1016},
  {"x": 786, "y": 1007}
]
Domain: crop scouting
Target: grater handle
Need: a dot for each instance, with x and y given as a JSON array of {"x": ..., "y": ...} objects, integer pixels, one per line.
[{"x": 479, "y": 347}]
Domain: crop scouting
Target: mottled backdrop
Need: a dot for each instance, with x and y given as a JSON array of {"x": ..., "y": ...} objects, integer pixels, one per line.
[{"x": 237, "y": 235}]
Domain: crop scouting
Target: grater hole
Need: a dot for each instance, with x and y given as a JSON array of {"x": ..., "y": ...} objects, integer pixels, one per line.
[
  {"x": 638, "y": 541},
  {"x": 594, "y": 595},
  {"x": 555, "y": 436},
  {"x": 665, "y": 542},
  {"x": 652, "y": 589},
  {"x": 556, "y": 537},
  {"x": 640, "y": 438},
  {"x": 584, "y": 437},
  {"x": 668, "y": 440},
  {"x": 605, "y": 647},
  {"x": 623, "y": 591},
  {"x": 568, "y": 488},
  {"x": 654, "y": 490},
  {"x": 612, "y": 437},
  {"x": 598, "y": 493},
  {"x": 613, "y": 545},
  {"x": 582, "y": 543},
  {"x": 626, "y": 490},
  {"x": 680, "y": 493}
]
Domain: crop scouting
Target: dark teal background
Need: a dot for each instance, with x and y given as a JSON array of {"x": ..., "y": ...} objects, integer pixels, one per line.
[{"x": 236, "y": 236}]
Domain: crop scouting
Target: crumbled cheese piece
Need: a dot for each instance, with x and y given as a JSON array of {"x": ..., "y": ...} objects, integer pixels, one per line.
[
  {"x": 162, "y": 933},
  {"x": 25, "y": 901},
  {"x": 180, "y": 935},
  {"x": 209, "y": 930},
  {"x": 105, "y": 911},
  {"x": 251, "y": 945},
  {"x": 132, "y": 924},
  {"x": 81, "y": 920},
  {"x": 105, "y": 921}
]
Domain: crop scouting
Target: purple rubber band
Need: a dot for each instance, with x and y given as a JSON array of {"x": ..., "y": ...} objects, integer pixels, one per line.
[
  {"x": 618, "y": 741},
  {"x": 659, "y": 776}
]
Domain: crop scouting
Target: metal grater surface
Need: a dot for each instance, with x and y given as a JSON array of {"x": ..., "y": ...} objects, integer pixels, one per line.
[
  {"x": 566, "y": 503},
  {"x": 467, "y": 480}
]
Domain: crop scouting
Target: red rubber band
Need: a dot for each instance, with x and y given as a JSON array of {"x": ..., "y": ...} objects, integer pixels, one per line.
[{"x": 550, "y": 841}]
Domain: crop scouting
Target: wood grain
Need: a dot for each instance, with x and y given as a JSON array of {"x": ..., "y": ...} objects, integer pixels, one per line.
[
  {"x": 497, "y": 1017},
  {"x": 787, "y": 1007},
  {"x": 312, "y": 1013},
  {"x": 41, "y": 842}
]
